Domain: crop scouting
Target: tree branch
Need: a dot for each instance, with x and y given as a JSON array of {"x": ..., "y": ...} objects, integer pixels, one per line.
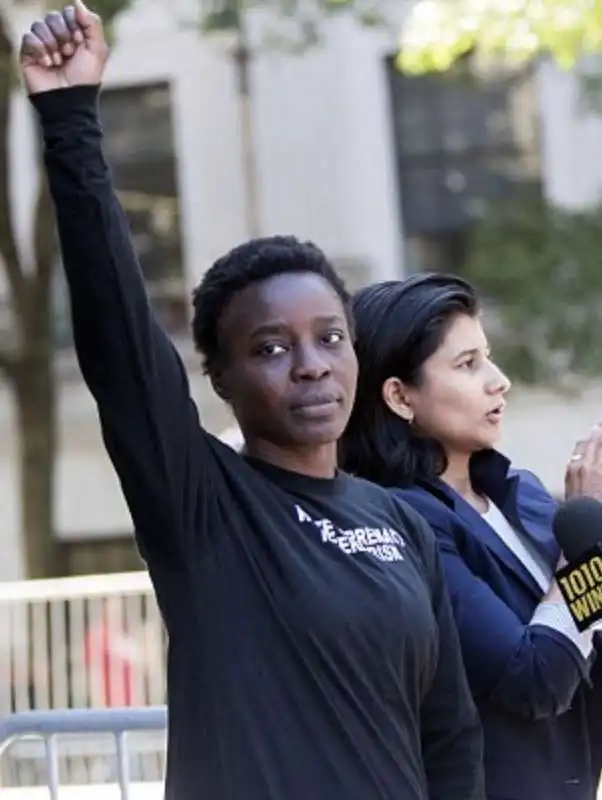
[{"x": 8, "y": 244}]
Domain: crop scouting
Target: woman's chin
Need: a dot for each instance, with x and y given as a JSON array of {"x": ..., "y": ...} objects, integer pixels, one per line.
[{"x": 491, "y": 441}]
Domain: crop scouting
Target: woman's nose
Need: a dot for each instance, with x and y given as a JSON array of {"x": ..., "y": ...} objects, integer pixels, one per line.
[
  {"x": 310, "y": 364},
  {"x": 499, "y": 382}
]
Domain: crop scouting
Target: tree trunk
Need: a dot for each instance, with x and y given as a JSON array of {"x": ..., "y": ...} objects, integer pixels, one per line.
[
  {"x": 29, "y": 369},
  {"x": 36, "y": 414},
  {"x": 35, "y": 388}
]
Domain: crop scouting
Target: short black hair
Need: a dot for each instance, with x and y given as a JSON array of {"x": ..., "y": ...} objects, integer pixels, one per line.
[
  {"x": 255, "y": 260},
  {"x": 398, "y": 326}
]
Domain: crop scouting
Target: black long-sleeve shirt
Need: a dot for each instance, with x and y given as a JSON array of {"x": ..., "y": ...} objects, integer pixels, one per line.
[{"x": 312, "y": 650}]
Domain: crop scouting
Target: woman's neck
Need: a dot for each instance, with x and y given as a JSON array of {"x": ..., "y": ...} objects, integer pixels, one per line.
[
  {"x": 457, "y": 475},
  {"x": 314, "y": 461}
]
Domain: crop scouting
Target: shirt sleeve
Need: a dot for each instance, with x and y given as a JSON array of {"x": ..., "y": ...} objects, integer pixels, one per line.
[
  {"x": 526, "y": 669},
  {"x": 452, "y": 739},
  {"x": 554, "y": 614},
  {"x": 149, "y": 423}
]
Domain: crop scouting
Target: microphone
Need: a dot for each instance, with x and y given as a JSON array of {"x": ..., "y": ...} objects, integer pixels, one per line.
[{"x": 577, "y": 527}]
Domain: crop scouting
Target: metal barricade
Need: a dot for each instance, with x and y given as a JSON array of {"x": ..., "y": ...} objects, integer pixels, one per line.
[{"x": 48, "y": 725}]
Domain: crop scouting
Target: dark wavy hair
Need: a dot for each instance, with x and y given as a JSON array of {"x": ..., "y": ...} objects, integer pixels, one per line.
[
  {"x": 398, "y": 326},
  {"x": 248, "y": 263}
]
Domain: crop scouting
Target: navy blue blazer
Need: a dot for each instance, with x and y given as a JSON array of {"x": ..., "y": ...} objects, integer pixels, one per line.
[{"x": 540, "y": 701}]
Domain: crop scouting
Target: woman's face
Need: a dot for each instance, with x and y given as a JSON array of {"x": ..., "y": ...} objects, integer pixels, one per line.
[
  {"x": 291, "y": 369},
  {"x": 460, "y": 397}
]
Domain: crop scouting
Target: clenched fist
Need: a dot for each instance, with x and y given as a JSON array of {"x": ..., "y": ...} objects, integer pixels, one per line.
[{"x": 66, "y": 48}]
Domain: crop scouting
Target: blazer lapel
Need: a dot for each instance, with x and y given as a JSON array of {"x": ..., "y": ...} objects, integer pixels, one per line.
[
  {"x": 533, "y": 515},
  {"x": 529, "y": 512}
]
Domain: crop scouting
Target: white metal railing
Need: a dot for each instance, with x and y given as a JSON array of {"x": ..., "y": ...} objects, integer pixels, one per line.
[
  {"x": 89, "y": 642},
  {"x": 47, "y": 727},
  {"x": 84, "y": 642}
]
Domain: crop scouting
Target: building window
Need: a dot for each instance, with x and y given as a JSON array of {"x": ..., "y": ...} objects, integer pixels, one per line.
[
  {"x": 139, "y": 146},
  {"x": 462, "y": 139}
]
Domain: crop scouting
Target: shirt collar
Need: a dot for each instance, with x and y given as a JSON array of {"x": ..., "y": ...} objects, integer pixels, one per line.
[{"x": 490, "y": 474}]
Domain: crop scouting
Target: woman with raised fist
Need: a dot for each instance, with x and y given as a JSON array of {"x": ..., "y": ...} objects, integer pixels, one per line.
[{"x": 312, "y": 649}]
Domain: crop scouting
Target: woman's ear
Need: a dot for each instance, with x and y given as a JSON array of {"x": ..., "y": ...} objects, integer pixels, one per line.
[
  {"x": 395, "y": 397},
  {"x": 219, "y": 385}
]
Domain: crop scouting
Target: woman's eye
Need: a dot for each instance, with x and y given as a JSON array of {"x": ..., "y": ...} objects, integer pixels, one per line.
[
  {"x": 272, "y": 349},
  {"x": 334, "y": 337},
  {"x": 470, "y": 363}
]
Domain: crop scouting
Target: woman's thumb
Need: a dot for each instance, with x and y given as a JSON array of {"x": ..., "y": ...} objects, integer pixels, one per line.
[{"x": 85, "y": 19}]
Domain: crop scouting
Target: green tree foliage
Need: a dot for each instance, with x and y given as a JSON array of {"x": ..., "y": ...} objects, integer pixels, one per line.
[
  {"x": 438, "y": 32},
  {"x": 537, "y": 266},
  {"x": 540, "y": 269}
]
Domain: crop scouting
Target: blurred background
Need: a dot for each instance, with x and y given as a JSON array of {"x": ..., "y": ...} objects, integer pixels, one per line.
[{"x": 459, "y": 135}]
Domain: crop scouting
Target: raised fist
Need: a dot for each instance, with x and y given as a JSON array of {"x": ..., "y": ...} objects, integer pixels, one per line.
[{"x": 64, "y": 49}]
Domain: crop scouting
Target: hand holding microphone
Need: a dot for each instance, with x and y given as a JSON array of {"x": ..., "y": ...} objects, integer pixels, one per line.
[{"x": 577, "y": 528}]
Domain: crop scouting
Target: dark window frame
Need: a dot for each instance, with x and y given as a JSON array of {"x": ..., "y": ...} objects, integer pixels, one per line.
[{"x": 445, "y": 185}]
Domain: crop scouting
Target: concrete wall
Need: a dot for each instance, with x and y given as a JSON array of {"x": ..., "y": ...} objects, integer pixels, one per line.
[{"x": 323, "y": 137}]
